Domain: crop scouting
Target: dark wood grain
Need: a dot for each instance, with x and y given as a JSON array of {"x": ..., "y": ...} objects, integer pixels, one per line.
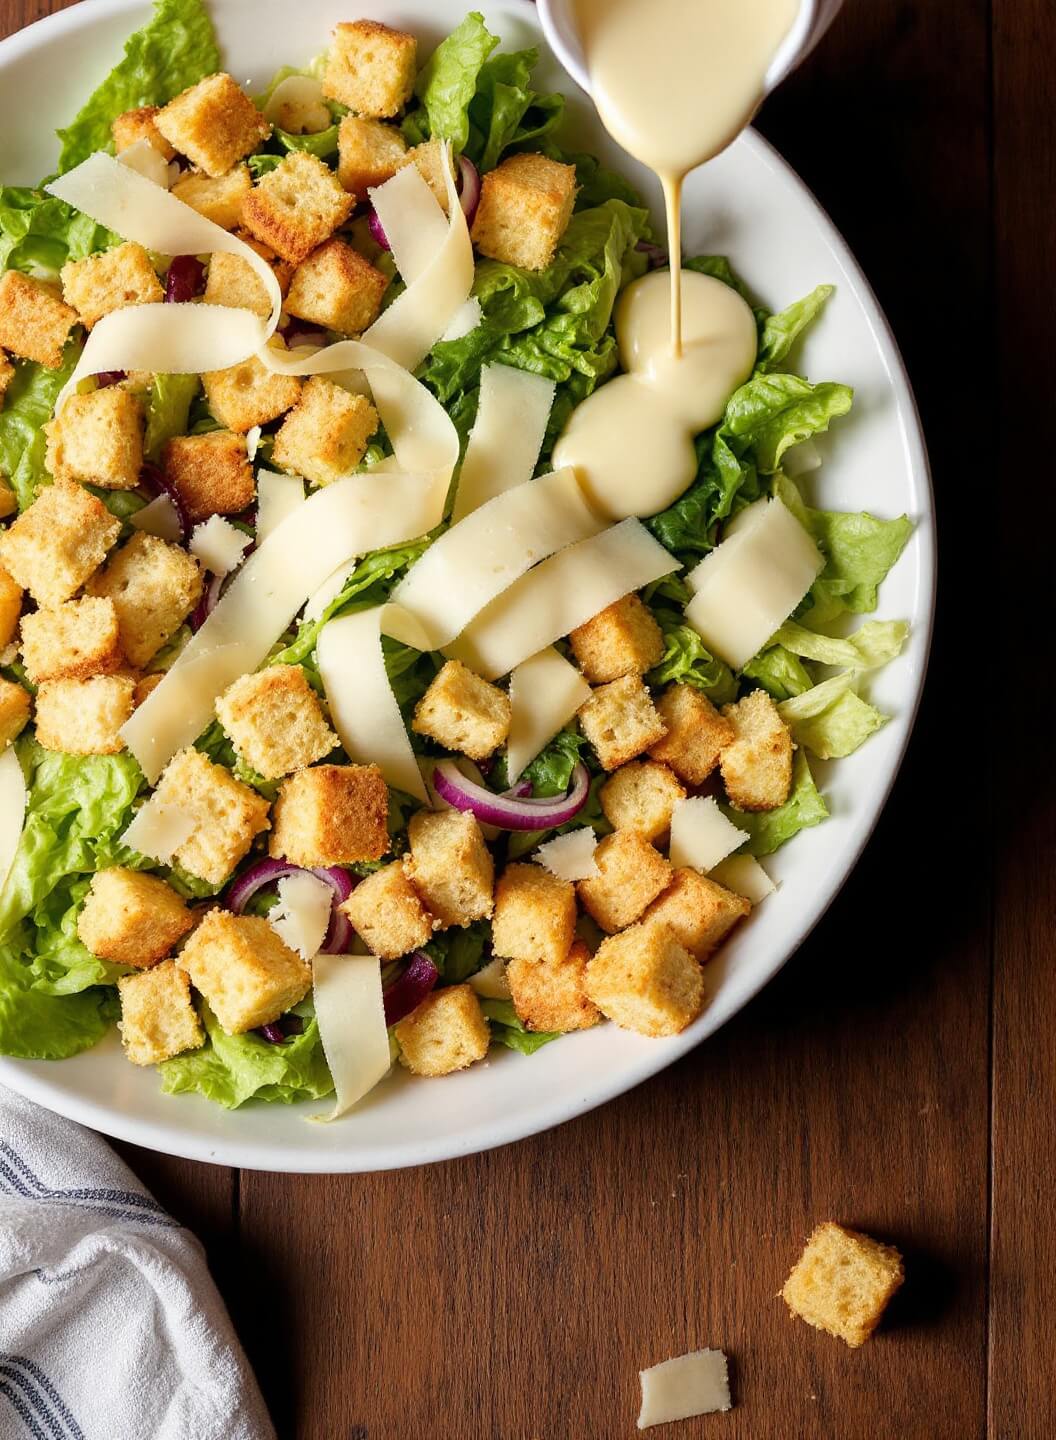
[{"x": 516, "y": 1294}]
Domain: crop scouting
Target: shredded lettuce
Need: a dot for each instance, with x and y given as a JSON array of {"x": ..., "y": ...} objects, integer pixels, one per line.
[
  {"x": 231, "y": 1069},
  {"x": 831, "y": 719},
  {"x": 768, "y": 830}
]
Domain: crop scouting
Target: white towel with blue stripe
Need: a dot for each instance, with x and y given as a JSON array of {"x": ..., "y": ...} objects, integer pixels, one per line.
[{"x": 110, "y": 1325}]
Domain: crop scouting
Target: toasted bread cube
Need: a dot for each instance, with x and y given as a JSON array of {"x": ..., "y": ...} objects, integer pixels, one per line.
[
  {"x": 620, "y": 721},
  {"x": 97, "y": 439},
  {"x": 525, "y": 206},
  {"x": 84, "y": 717},
  {"x": 14, "y": 711},
  {"x": 233, "y": 281},
  {"x": 332, "y": 815},
  {"x": 10, "y": 608},
  {"x": 463, "y": 712},
  {"x": 249, "y": 394},
  {"x": 247, "y": 974},
  {"x": 7, "y": 374},
  {"x": 99, "y": 284},
  {"x": 696, "y": 733},
  {"x": 387, "y": 913},
  {"x": 72, "y": 641},
  {"x": 699, "y": 912},
  {"x": 428, "y": 160},
  {"x": 154, "y": 586},
  {"x": 445, "y": 1033},
  {"x": 213, "y": 123},
  {"x": 135, "y": 125},
  {"x": 8, "y": 499},
  {"x": 644, "y": 980},
  {"x": 34, "y": 322},
  {"x": 535, "y": 915},
  {"x": 132, "y": 919},
  {"x": 325, "y": 435},
  {"x": 227, "y": 815},
  {"x": 158, "y": 1018},
  {"x": 211, "y": 473},
  {"x": 296, "y": 206},
  {"x": 549, "y": 994},
  {"x": 218, "y": 198},
  {"x": 450, "y": 866},
  {"x": 281, "y": 268},
  {"x": 369, "y": 153},
  {"x": 275, "y": 721},
  {"x": 371, "y": 68},
  {"x": 842, "y": 1282},
  {"x": 757, "y": 765},
  {"x": 337, "y": 289},
  {"x": 641, "y": 796},
  {"x": 631, "y": 876},
  {"x": 623, "y": 639},
  {"x": 55, "y": 545}
]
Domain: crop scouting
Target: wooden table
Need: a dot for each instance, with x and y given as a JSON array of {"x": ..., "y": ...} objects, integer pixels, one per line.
[{"x": 900, "y": 1074}]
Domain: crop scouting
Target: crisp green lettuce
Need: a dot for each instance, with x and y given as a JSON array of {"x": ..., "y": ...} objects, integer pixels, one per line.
[
  {"x": 38, "y": 233},
  {"x": 686, "y": 659},
  {"x": 779, "y": 672},
  {"x": 771, "y": 413},
  {"x": 507, "y": 112},
  {"x": 458, "y": 953},
  {"x": 831, "y": 719},
  {"x": 780, "y": 332},
  {"x": 507, "y": 1028},
  {"x": 28, "y": 404},
  {"x": 231, "y": 1069},
  {"x": 38, "y": 1026},
  {"x": 550, "y": 773},
  {"x": 168, "y": 410},
  {"x": 872, "y": 644},
  {"x": 448, "y": 82},
  {"x": 768, "y": 830}
]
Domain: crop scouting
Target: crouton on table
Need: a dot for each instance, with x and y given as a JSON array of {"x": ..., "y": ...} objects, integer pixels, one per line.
[
  {"x": 275, "y": 721},
  {"x": 227, "y": 815},
  {"x": 158, "y": 1018},
  {"x": 130, "y": 918},
  {"x": 387, "y": 913},
  {"x": 332, "y": 815},
  {"x": 58, "y": 542},
  {"x": 450, "y": 866},
  {"x": 445, "y": 1033},
  {"x": 842, "y": 1282},
  {"x": 246, "y": 972},
  {"x": 620, "y": 721},
  {"x": 535, "y": 915},
  {"x": 153, "y": 586},
  {"x": 72, "y": 641},
  {"x": 644, "y": 980}
]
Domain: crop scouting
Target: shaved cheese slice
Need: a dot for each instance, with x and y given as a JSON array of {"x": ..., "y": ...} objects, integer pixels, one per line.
[
  {"x": 744, "y": 876},
  {"x": 158, "y": 830},
  {"x": 507, "y": 435},
  {"x": 219, "y": 545},
  {"x": 148, "y": 162},
  {"x": 490, "y": 982},
  {"x": 252, "y": 442},
  {"x": 701, "y": 835},
  {"x": 413, "y": 220},
  {"x": 561, "y": 593},
  {"x": 159, "y": 518},
  {"x": 571, "y": 856},
  {"x": 467, "y": 318},
  {"x": 693, "y": 1384},
  {"x": 485, "y": 553},
  {"x": 277, "y": 496},
  {"x": 750, "y": 584},
  {"x": 328, "y": 592},
  {"x": 545, "y": 692},
  {"x": 12, "y": 810},
  {"x": 300, "y": 96},
  {"x": 302, "y": 916},
  {"x": 350, "y": 1012}
]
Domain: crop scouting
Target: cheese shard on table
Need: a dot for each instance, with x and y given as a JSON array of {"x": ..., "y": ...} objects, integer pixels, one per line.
[
  {"x": 571, "y": 856},
  {"x": 302, "y": 916},
  {"x": 688, "y": 1385},
  {"x": 158, "y": 830},
  {"x": 701, "y": 835},
  {"x": 744, "y": 876}
]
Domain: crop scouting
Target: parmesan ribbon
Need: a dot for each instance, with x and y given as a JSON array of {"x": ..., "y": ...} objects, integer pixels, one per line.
[
  {"x": 350, "y": 1013},
  {"x": 507, "y": 435}
]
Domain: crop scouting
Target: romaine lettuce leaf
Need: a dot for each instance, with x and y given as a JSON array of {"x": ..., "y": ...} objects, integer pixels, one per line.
[
  {"x": 550, "y": 773},
  {"x": 506, "y": 111},
  {"x": 28, "y": 404},
  {"x": 168, "y": 410},
  {"x": 459, "y": 953},
  {"x": 779, "y": 672},
  {"x": 686, "y": 660},
  {"x": 780, "y": 332},
  {"x": 768, "y": 830},
  {"x": 38, "y": 1026},
  {"x": 507, "y": 1028},
  {"x": 831, "y": 720},
  {"x": 38, "y": 233},
  {"x": 231, "y": 1069},
  {"x": 872, "y": 644},
  {"x": 448, "y": 82},
  {"x": 771, "y": 413}
]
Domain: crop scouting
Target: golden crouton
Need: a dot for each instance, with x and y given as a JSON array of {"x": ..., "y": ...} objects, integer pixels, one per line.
[
  {"x": 10, "y": 608},
  {"x": 219, "y": 198},
  {"x": 549, "y": 994},
  {"x": 14, "y": 711},
  {"x": 227, "y": 815},
  {"x": 371, "y": 68},
  {"x": 154, "y": 586},
  {"x": 325, "y": 436},
  {"x": 248, "y": 975},
  {"x": 233, "y": 281},
  {"x": 641, "y": 796},
  {"x": 428, "y": 160},
  {"x": 525, "y": 206},
  {"x": 296, "y": 206},
  {"x": 158, "y": 1018},
  {"x": 623, "y": 639},
  {"x": 463, "y": 712},
  {"x": 8, "y": 499},
  {"x": 631, "y": 876},
  {"x": 135, "y": 125},
  {"x": 337, "y": 289},
  {"x": 84, "y": 717},
  {"x": 249, "y": 394},
  {"x": 55, "y": 545},
  {"x": 34, "y": 321},
  {"x": 757, "y": 765},
  {"x": 842, "y": 1282},
  {"x": 213, "y": 123},
  {"x": 97, "y": 439},
  {"x": 332, "y": 815},
  {"x": 535, "y": 915},
  {"x": 644, "y": 980},
  {"x": 72, "y": 641},
  {"x": 696, "y": 733},
  {"x": 699, "y": 912},
  {"x": 132, "y": 919},
  {"x": 369, "y": 153},
  {"x": 99, "y": 284},
  {"x": 620, "y": 721},
  {"x": 7, "y": 374},
  {"x": 450, "y": 866},
  {"x": 275, "y": 721},
  {"x": 387, "y": 913},
  {"x": 211, "y": 473},
  {"x": 445, "y": 1033}
]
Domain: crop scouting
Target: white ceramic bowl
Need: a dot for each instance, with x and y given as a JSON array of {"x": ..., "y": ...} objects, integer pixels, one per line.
[{"x": 747, "y": 204}]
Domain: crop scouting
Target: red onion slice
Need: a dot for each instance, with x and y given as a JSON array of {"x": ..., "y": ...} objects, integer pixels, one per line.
[
  {"x": 273, "y": 1033},
  {"x": 184, "y": 279},
  {"x": 469, "y": 197},
  {"x": 505, "y": 812},
  {"x": 106, "y": 378},
  {"x": 377, "y": 230},
  {"x": 408, "y": 991},
  {"x": 269, "y": 872}
]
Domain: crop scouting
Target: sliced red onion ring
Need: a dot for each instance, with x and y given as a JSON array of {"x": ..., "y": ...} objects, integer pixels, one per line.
[
  {"x": 269, "y": 872},
  {"x": 410, "y": 989},
  {"x": 184, "y": 279},
  {"x": 377, "y": 230},
  {"x": 158, "y": 483},
  {"x": 110, "y": 377},
  {"x": 283, "y": 1029},
  {"x": 505, "y": 812},
  {"x": 273, "y": 1033},
  {"x": 469, "y": 196},
  {"x": 521, "y": 791}
]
